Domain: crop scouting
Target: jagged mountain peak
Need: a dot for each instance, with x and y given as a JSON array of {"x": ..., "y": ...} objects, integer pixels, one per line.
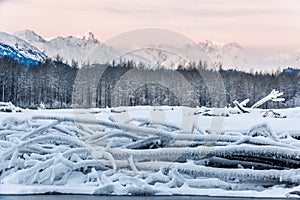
[
  {"x": 208, "y": 44},
  {"x": 89, "y": 36},
  {"x": 233, "y": 45}
]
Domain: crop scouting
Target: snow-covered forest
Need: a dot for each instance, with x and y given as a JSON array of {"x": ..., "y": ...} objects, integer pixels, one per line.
[{"x": 58, "y": 85}]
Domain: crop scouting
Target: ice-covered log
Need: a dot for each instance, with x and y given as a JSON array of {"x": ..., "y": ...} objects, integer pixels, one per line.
[
  {"x": 56, "y": 139},
  {"x": 127, "y": 128},
  {"x": 242, "y": 175},
  {"x": 268, "y": 154},
  {"x": 39, "y": 130},
  {"x": 147, "y": 143},
  {"x": 232, "y": 163},
  {"x": 240, "y": 107},
  {"x": 273, "y": 96}
]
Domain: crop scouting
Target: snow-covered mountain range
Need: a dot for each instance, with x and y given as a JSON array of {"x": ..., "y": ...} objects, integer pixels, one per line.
[
  {"x": 23, "y": 51},
  {"x": 89, "y": 50},
  {"x": 86, "y": 50},
  {"x": 29, "y": 47},
  {"x": 229, "y": 55}
]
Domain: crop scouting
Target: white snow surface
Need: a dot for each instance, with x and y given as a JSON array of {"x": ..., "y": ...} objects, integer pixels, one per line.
[{"x": 148, "y": 150}]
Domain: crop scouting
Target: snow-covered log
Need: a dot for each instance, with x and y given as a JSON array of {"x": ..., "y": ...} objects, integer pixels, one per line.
[
  {"x": 273, "y": 96},
  {"x": 9, "y": 107},
  {"x": 242, "y": 175}
]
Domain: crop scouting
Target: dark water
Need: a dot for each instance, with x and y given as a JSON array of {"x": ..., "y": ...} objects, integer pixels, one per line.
[{"x": 90, "y": 197}]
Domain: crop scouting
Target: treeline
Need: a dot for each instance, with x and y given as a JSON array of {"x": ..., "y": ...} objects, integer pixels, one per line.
[
  {"x": 58, "y": 85},
  {"x": 49, "y": 82}
]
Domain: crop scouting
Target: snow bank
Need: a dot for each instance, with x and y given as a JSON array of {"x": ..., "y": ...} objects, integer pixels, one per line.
[{"x": 9, "y": 107}]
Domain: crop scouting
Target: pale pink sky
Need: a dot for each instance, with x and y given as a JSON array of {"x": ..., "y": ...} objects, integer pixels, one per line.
[{"x": 272, "y": 25}]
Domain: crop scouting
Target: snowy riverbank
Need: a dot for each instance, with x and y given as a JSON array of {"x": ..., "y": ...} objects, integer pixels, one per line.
[{"x": 151, "y": 151}]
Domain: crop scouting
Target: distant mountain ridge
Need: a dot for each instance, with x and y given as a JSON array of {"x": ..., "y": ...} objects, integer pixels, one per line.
[
  {"x": 292, "y": 59},
  {"x": 88, "y": 50},
  {"x": 27, "y": 46}
]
